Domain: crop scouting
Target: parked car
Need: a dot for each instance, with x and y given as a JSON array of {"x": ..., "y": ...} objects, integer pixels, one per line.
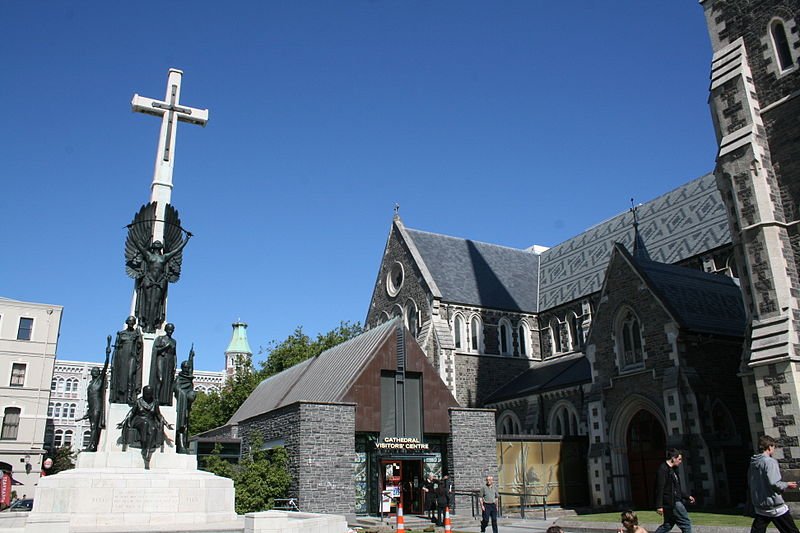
[{"x": 21, "y": 505}]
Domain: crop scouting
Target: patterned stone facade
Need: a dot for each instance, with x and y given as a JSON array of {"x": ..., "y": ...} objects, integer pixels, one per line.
[
  {"x": 755, "y": 105},
  {"x": 320, "y": 441},
  {"x": 472, "y": 449}
]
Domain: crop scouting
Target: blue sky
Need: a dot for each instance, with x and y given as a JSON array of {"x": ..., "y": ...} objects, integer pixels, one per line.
[{"x": 511, "y": 122}]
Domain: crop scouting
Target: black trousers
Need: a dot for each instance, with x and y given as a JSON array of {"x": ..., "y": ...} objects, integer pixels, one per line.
[
  {"x": 490, "y": 512},
  {"x": 784, "y": 523}
]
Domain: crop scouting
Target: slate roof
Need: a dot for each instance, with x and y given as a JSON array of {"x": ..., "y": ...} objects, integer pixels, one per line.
[
  {"x": 324, "y": 378},
  {"x": 699, "y": 301},
  {"x": 545, "y": 376},
  {"x": 678, "y": 225},
  {"x": 478, "y": 273}
]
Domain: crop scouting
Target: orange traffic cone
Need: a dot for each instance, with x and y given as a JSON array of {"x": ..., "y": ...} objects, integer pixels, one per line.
[
  {"x": 447, "y": 527},
  {"x": 401, "y": 526}
]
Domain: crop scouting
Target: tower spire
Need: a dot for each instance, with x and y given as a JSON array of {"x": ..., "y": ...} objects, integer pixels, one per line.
[
  {"x": 639, "y": 249},
  {"x": 238, "y": 351}
]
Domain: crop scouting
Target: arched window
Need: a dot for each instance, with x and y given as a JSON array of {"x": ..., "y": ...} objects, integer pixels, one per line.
[
  {"x": 86, "y": 436},
  {"x": 68, "y": 437},
  {"x": 564, "y": 420},
  {"x": 476, "y": 335},
  {"x": 629, "y": 340},
  {"x": 555, "y": 337},
  {"x": 412, "y": 317},
  {"x": 783, "y": 52},
  {"x": 58, "y": 438},
  {"x": 53, "y": 384},
  {"x": 459, "y": 332},
  {"x": 397, "y": 311},
  {"x": 576, "y": 331},
  {"x": 50, "y": 410},
  {"x": 504, "y": 333},
  {"x": 508, "y": 424},
  {"x": 384, "y": 317},
  {"x": 72, "y": 385},
  {"x": 57, "y": 410},
  {"x": 524, "y": 333},
  {"x": 10, "y": 423},
  {"x": 72, "y": 408},
  {"x": 60, "y": 385}
]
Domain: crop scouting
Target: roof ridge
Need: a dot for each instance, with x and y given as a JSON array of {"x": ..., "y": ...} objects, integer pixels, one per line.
[{"x": 524, "y": 250}]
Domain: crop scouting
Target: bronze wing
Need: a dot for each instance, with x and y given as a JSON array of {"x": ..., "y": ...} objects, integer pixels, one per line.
[
  {"x": 140, "y": 231},
  {"x": 173, "y": 238}
]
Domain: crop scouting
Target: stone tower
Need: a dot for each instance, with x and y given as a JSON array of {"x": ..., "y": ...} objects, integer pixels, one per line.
[
  {"x": 755, "y": 104},
  {"x": 238, "y": 351}
]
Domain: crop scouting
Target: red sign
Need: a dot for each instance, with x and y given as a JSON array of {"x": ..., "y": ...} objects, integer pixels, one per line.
[{"x": 5, "y": 490}]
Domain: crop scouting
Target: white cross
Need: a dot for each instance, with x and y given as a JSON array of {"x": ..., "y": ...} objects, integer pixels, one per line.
[{"x": 169, "y": 110}]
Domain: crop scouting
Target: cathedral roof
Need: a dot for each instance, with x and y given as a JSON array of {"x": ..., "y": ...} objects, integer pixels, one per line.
[
  {"x": 545, "y": 376},
  {"x": 478, "y": 273},
  {"x": 680, "y": 224},
  {"x": 701, "y": 302},
  {"x": 324, "y": 378}
]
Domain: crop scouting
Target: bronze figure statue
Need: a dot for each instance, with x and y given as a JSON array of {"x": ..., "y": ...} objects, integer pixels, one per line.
[
  {"x": 143, "y": 426},
  {"x": 154, "y": 265},
  {"x": 126, "y": 365},
  {"x": 96, "y": 400},
  {"x": 184, "y": 397},
  {"x": 162, "y": 366}
]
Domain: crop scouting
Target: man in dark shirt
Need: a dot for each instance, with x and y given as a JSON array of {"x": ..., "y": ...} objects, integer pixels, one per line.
[{"x": 670, "y": 496}]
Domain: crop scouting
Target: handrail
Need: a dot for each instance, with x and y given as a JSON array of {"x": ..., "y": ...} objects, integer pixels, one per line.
[
  {"x": 523, "y": 501},
  {"x": 288, "y": 504},
  {"x": 475, "y": 504}
]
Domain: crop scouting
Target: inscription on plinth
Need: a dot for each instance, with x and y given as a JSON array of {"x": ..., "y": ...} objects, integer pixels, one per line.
[{"x": 136, "y": 501}]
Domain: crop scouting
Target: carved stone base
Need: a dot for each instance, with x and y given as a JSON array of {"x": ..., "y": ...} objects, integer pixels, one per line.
[{"x": 128, "y": 499}]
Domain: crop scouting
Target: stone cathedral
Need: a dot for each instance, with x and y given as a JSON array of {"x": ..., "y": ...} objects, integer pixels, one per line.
[{"x": 674, "y": 324}]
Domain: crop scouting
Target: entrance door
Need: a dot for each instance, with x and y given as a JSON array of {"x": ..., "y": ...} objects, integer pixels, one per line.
[
  {"x": 646, "y": 444},
  {"x": 403, "y": 479},
  {"x": 412, "y": 487}
]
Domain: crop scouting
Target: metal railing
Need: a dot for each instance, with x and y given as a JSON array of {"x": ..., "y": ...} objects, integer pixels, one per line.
[
  {"x": 526, "y": 500},
  {"x": 286, "y": 504}
]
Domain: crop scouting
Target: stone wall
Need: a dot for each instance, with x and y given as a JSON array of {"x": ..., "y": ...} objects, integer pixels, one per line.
[
  {"x": 477, "y": 376},
  {"x": 320, "y": 441},
  {"x": 472, "y": 449}
]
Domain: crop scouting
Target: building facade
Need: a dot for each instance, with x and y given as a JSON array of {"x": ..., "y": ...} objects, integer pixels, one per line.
[{"x": 28, "y": 340}]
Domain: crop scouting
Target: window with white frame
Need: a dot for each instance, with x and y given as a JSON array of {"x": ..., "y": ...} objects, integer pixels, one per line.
[
  {"x": 780, "y": 44},
  {"x": 50, "y": 410},
  {"x": 576, "y": 331},
  {"x": 504, "y": 337},
  {"x": 412, "y": 317},
  {"x": 459, "y": 332},
  {"x": 10, "y": 427},
  {"x": 58, "y": 438},
  {"x": 555, "y": 337},
  {"x": 53, "y": 384},
  {"x": 524, "y": 333},
  {"x": 87, "y": 435},
  {"x": 68, "y": 437},
  {"x": 17, "y": 375},
  {"x": 629, "y": 340},
  {"x": 72, "y": 408},
  {"x": 60, "y": 385},
  {"x": 25, "y": 329},
  {"x": 57, "y": 410},
  {"x": 564, "y": 420},
  {"x": 475, "y": 334},
  {"x": 508, "y": 424}
]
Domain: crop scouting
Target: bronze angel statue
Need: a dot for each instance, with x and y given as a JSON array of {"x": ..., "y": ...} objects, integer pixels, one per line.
[{"x": 154, "y": 264}]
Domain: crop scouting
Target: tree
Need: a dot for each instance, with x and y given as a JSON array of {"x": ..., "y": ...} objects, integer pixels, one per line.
[
  {"x": 298, "y": 346},
  {"x": 63, "y": 459},
  {"x": 259, "y": 478}
]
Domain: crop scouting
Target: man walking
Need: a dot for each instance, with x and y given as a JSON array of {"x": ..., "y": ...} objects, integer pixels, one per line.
[
  {"x": 670, "y": 496},
  {"x": 488, "y": 500},
  {"x": 766, "y": 488}
]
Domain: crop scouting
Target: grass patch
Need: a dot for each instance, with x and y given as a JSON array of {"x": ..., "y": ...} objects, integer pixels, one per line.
[{"x": 699, "y": 518}]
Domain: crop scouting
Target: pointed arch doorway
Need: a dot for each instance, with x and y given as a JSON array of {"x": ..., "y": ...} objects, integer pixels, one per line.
[{"x": 646, "y": 444}]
